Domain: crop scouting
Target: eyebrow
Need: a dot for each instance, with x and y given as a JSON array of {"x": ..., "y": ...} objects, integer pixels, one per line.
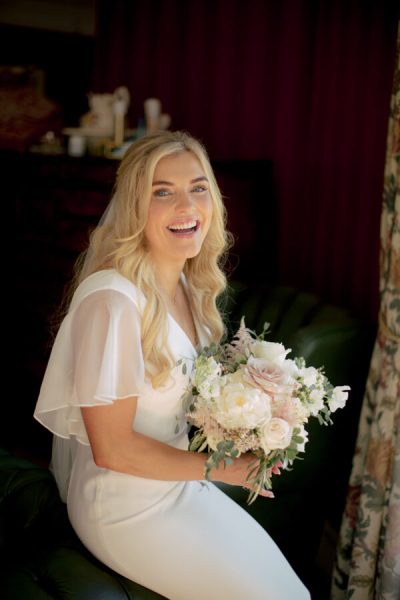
[{"x": 162, "y": 182}]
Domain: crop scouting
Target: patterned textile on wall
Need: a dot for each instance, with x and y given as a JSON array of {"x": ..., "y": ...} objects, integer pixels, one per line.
[{"x": 368, "y": 557}]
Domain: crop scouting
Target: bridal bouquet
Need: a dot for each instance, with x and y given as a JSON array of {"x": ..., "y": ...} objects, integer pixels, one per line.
[{"x": 247, "y": 396}]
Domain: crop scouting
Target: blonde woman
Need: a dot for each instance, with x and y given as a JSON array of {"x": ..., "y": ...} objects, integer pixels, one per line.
[{"x": 144, "y": 298}]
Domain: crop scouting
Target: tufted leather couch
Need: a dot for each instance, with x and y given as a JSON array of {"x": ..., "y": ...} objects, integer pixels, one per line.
[{"x": 43, "y": 558}]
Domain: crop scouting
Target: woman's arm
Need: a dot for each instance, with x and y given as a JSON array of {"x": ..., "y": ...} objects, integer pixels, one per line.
[{"x": 117, "y": 447}]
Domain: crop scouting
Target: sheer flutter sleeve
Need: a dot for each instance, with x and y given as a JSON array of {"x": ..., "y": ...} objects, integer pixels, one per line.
[{"x": 96, "y": 359}]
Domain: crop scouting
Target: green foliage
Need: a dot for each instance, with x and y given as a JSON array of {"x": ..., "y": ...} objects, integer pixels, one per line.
[{"x": 225, "y": 452}]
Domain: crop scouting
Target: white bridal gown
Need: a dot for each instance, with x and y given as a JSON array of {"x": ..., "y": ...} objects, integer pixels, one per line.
[{"x": 185, "y": 540}]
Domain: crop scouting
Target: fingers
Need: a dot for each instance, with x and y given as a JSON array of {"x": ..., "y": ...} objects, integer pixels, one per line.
[
  {"x": 277, "y": 467},
  {"x": 267, "y": 494},
  {"x": 261, "y": 492}
]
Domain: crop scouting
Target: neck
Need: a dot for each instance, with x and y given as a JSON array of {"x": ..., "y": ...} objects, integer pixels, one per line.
[{"x": 169, "y": 282}]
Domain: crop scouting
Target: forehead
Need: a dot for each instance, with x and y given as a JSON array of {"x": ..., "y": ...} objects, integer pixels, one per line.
[{"x": 178, "y": 166}]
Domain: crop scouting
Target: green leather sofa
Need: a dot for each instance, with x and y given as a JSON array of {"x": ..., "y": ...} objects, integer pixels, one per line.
[{"x": 44, "y": 560}]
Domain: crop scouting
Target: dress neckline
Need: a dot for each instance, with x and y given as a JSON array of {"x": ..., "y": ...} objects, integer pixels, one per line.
[{"x": 196, "y": 348}]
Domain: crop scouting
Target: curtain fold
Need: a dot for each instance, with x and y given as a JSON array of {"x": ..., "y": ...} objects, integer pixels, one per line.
[
  {"x": 305, "y": 84},
  {"x": 368, "y": 556}
]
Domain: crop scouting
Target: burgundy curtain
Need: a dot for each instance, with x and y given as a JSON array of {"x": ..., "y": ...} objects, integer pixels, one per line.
[{"x": 304, "y": 83}]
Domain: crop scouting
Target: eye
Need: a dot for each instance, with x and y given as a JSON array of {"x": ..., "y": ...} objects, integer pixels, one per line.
[
  {"x": 162, "y": 193},
  {"x": 199, "y": 189}
]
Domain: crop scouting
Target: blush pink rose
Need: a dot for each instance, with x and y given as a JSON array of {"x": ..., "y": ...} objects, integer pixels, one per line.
[{"x": 267, "y": 376}]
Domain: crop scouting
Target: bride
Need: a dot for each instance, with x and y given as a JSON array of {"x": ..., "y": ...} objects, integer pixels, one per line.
[{"x": 144, "y": 298}]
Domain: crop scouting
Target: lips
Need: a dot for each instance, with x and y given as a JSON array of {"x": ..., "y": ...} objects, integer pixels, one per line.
[{"x": 184, "y": 227}]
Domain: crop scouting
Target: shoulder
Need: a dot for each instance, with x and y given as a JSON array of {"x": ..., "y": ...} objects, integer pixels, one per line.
[{"x": 107, "y": 280}]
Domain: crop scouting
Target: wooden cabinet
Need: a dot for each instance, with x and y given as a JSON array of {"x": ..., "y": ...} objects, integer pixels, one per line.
[{"x": 58, "y": 201}]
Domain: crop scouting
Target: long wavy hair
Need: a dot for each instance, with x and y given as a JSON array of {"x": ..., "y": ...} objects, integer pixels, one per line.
[{"x": 119, "y": 242}]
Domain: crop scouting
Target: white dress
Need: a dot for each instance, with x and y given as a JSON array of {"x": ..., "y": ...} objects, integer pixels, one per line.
[{"x": 184, "y": 540}]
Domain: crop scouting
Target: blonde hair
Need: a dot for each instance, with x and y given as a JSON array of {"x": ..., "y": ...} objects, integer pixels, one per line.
[{"x": 118, "y": 242}]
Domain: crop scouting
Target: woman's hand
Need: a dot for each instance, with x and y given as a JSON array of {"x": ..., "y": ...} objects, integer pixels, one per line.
[{"x": 238, "y": 471}]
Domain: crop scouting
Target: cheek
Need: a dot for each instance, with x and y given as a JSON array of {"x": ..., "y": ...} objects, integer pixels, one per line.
[
  {"x": 153, "y": 218},
  {"x": 208, "y": 212}
]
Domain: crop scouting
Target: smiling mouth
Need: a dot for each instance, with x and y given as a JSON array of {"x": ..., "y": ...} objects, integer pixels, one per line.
[{"x": 184, "y": 228}]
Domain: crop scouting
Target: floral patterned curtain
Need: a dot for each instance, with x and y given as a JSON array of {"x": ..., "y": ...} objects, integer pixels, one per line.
[{"x": 368, "y": 557}]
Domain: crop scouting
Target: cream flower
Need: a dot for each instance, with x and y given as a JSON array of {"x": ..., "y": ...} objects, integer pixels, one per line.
[
  {"x": 270, "y": 351},
  {"x": 276, "y": 433},
  {"x": 242, "y": 406}
]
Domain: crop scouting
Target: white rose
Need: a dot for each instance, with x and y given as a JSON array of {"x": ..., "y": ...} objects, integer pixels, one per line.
[
  {"x": 241, "y": 406},
  {"x": 339, "y": 397},
  {"x": 270, "y": 351},
  {"x": 276, "y": 433}
]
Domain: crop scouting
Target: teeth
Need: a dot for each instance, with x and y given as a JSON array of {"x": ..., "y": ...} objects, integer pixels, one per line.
[{"x": 188, "y": 225}]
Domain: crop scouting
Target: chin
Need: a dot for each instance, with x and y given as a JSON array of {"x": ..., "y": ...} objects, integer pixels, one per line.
[
  {"x": 187, "y": 253},
  {"x": 193, "y": 254}
]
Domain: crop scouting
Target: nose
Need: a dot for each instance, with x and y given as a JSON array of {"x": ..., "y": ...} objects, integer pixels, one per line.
[{"x": 184, "y": 201}]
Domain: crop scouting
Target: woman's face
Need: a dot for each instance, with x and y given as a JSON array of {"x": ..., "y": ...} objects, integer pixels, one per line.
[{"x": 180, "y": 209}]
